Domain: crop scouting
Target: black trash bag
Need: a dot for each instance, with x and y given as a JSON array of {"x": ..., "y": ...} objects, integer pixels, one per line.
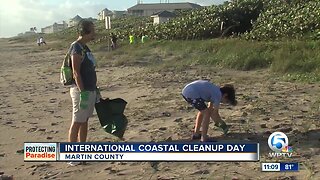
[{"x": 111, "y": 117}]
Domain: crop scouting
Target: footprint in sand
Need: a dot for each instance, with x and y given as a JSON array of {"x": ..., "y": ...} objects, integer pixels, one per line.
[
  {"x": 33, "y": 129},
  {"x": 178, "y": 120}
]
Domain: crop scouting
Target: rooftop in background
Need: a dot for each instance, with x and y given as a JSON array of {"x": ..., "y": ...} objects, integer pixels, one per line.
[
  {"x": 165, "y": 6},
  {"x": 76, "y": 18},
  {"x": 164, "y": 14},
  {"x": 150, "y": 9}
]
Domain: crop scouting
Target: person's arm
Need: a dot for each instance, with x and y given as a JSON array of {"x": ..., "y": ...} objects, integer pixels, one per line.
[
  {"x": 215, "y": 116},
  {"x": 76, "y": 60}
]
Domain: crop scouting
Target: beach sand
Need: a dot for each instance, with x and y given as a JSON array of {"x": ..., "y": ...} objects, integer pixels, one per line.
[{"x": 35, "y": 107}]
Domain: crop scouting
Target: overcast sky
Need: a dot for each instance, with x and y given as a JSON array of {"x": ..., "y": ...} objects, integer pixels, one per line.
[{"x": 17, "y": 16}]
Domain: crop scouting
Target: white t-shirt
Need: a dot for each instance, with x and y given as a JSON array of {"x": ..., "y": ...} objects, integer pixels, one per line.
[{"x": 203, "y": 89}]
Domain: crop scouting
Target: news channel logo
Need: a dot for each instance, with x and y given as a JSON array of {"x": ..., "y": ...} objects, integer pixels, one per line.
[{"x": 278, "y": 142}]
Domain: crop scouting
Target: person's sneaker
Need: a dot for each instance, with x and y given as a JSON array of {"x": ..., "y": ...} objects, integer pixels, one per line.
[
  {"x": 225, "y": 129},
  {"x": 74, "y": 163},
  {"x": 196, "y": 136}
]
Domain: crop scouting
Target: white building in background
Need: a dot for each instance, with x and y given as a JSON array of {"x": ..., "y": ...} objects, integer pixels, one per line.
[
  {"x": 150, "y": 9},
  {"x": 54, "y": 28},
  {"x": 32, "y": 31},
  {"x": 103, "y": 13},
  {"x": 113, "y": 14},
  {"x": 162, "y": 16}
]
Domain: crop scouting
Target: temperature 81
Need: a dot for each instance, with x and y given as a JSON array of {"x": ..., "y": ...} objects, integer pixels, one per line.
[{"x": 288, "y": 166}]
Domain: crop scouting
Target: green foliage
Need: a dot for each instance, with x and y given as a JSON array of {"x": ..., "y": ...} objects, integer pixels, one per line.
[
  {"x": 302, "y": 77},
  {"x": 299, "y": 60},
  {"x": 231, "y": 18},
  {"x": 122, "y": 27},
  {"x": 297, "y": 57},
  {"x": 287, "y": 19},
  {"x": 207, "y": 22},
  {"x": 294, "y": 24},
  {"x": 251, "y": 19}
]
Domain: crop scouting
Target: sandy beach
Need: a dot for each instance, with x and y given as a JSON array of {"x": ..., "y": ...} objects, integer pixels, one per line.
[{"x": 35, "y": 107}]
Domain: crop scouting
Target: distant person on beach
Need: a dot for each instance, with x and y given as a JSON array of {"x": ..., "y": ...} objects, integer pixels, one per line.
[
  {"x": 131, "y": 39},
  {"x": 144, "y": 38},
  {"x": 113, "y": 41},
  {"x": 84, "y": 90},
  {"x": 42, "y": 41},
  {"x": 38, "y": 41},
  {"x": 199, "y": 92}
]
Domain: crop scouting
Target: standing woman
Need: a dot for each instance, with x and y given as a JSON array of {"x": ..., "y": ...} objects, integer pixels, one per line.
[{"x": 83, "y": 91}]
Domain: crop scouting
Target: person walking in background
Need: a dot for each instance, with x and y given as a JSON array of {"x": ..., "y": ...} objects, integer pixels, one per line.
[
  {"x": 38, "y": 41},
  {"x": 131, "y": 39},
  {"x": 144, "y": 38},
  {"x": 42, "y": 41},
  {"x": 83, "y": 91},
  {"x": 113, "y": 41},
  {"x": 197, "y": 93}
]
